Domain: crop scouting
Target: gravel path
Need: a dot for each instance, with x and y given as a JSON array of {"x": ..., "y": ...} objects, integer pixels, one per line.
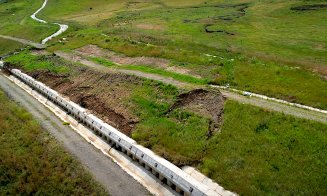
[
  {"x": 105, "y": 171},
  {"x": 279, "y": 107},
  {"x": 266, "y": 104}
]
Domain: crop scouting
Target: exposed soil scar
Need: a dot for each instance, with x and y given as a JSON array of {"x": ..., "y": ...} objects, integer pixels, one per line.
[{"x": 207, "y": 103}]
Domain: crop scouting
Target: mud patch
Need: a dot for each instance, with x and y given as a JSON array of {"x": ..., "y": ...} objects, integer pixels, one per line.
[
  {"x": 309, "y": 7},
  {"x": 207, "y": 103}
]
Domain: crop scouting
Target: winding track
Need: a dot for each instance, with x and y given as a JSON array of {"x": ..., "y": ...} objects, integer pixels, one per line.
[{"x": 62, "y": 29}]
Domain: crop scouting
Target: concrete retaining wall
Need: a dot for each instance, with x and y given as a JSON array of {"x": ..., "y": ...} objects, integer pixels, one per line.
[{"x": 167, "y": 172}]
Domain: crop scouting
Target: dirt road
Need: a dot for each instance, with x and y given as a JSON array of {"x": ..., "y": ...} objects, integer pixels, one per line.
[
  {"x": 24, "y": 41},
  {"x": 104, "y": 170},
  {"x": 279, "y": 107},
  {"x": 266, "y": 104}
]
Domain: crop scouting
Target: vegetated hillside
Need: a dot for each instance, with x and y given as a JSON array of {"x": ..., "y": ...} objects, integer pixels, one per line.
[
  {"x": 8, "y": 46},
  {"x": 268, "y": 47},
  {"x": 15, "y": 20},
  {"x": 246, "y": 149},
  {"x": 33, "y": 163},
  {"x": 277, "y": 48}
]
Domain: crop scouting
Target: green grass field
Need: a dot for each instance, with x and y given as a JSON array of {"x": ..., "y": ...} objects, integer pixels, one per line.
[
  {"x": 33, "y": 163},
  {"x": 278, "y": 51},
  {"x": 8, "y": 46},
  {"x": 269, "y": 47},
  {"x": 31, "y": 62},
  {"x": 265, "y": 153},
  {"x": 15, "y": 20}
]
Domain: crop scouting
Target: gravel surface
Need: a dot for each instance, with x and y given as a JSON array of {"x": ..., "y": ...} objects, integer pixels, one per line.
[{"x": 105, "y": 171}]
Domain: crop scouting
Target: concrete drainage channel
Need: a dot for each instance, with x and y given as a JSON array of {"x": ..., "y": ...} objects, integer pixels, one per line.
[{"x": 166, "y": 173}]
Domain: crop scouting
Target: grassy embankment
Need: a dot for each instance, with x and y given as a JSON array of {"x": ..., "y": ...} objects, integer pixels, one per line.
[
  {"x": 257, "y": 152},
  {"x": 29, "y": 63},
  {"x": 278, "y": 52},
  {"x": 7, "y": 46},
  {"x": 33, "y": 163}
]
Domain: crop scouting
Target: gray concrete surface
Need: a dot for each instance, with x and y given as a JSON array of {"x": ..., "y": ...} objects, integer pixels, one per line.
[{"x": 104, "y": 170}]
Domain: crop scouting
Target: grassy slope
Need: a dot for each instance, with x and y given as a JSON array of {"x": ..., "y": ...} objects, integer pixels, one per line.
[
  {"x": 7, "y": 46},
  {"x": 15, "y": 20},
  {"x": 33, "y": 163},
  {"x": 32, "y": 63},
  {"x": 257, "y": 152},
  {"x": 280, "y": 59},
  {"x": 266, "y": 153},
  {"x": 254, "y": 154}
]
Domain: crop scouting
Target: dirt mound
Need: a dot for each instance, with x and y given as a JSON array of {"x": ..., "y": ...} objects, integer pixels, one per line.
[
  {"x": 310, "y": 7},
  {"x": 207, "y": 103}
]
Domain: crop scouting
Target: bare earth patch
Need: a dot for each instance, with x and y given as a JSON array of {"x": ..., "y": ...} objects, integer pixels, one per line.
[
  {"x": 93, "y": 50},
  {"x": 150, "y": 27},
  {"x": 39, "y": 52},
  {"x": 103, "y": 94},
  {"x": 210, "y": 104}
]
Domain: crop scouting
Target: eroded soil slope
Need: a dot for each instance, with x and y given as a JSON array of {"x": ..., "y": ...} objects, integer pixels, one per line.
[
  {"x": 110, "y": 96},
  {"x": 102, "y": 93}
]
